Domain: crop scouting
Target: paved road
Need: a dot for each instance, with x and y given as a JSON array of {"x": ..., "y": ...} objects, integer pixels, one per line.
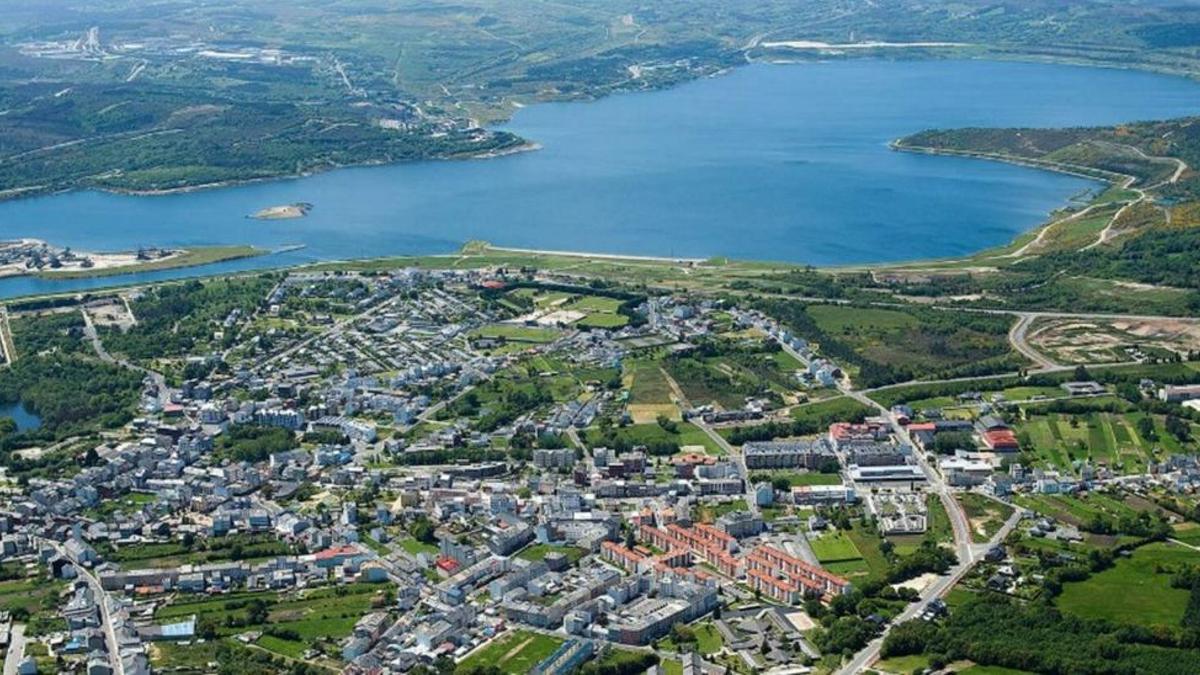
[
  {"x": 958, "y": 519},
  {"x": 16, "y": 649},
  {"x": 7, "y": 349},
  {"x": 1017, "y": 336},
  {"x": 160, "y": 382},
  {"x": 868, "y": 655},
  {"x": 102, "y": 601}
]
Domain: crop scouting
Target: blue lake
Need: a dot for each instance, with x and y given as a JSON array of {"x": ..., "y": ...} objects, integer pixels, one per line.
[
  {"x": 778, "y": 162},
  {"x": 25, "y": 419}
]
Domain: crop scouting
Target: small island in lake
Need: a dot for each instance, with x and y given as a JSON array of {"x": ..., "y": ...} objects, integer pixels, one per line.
[{"x": 285, "y": 212}]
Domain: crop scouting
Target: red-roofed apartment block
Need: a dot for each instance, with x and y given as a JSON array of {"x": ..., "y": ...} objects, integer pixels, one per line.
[{"x": 786, "y": 578}]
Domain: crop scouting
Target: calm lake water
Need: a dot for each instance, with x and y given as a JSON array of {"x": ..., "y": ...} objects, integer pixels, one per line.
[
  {"x": 25, "y": 420},
  {"x": 767, "y": 162}
]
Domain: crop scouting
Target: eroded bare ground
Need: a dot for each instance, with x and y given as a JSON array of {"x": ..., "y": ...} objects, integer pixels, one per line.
[{"x": 1095, "y": 341}]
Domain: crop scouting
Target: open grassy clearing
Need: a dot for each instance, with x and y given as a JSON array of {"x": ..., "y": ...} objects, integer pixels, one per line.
[
  {"x": 834, "y": 547},
  {"x": 646, "y": 383},
  {"x": 1075, "y": 510},
  {"x": 797, "y": 478},
  {"x": 517, "y": 333},
  {"x": 986, "y": 515},
  {"x": 295, "y": 622},
  {"x": 708, "y": 512},
  {"x": 514, "y": 653},
  {"x": 685, "y": 434},
  {"x": 1133, "y": 590},
  {"x": 540, "y": 551}
]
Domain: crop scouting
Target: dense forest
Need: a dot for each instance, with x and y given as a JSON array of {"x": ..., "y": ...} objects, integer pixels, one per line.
[
  {"x": 180, "y": 319},
  {"x": 71, "y": 395},
  {"x": 995, "y": 631},
  {"x": 912, "y": 343}
]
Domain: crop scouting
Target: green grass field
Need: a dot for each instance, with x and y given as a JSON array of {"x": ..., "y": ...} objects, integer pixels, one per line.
[
  {"x": 640, "y": 434},
  {"x": 514, "y": 653},
  {"x": 1133, "y": 590},
  {"x": 317, "y": 616},
  {"x": 868, "y": 545},
  {"x": 539, "y": 552},
  {"x": 414, "y": 547},
  {"x": 795, "y": 478},
  {"x": 646, "y": 383},
  {"x": 515, "y": 333},
  {"x": 842, "y": 406},
  {"x": 834, "y": 547},
  {"x": 1100, "y": 438},
  {"x": 903, "y": 665}
]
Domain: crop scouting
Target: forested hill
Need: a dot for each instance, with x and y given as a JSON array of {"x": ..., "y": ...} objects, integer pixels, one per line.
[
  {"x": 1149, "y": 151},
  {"x": 125, "y": 95}
]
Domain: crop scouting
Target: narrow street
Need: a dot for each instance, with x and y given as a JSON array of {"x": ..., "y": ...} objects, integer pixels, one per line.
[{"x": 16, "y": 649}]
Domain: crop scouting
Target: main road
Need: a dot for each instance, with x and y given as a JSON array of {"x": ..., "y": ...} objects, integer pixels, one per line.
[
  {"x": 867, "y": 655},
  {"x": 102, "y": 601},
  {"x": 967, "y": 553}
]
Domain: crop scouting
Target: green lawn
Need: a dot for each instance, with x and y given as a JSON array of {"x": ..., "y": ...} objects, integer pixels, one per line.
[
  {"x": 709, "y": 512},
  {"x": 843, "y": 407},
  {"x": 868, "y": 546},
  {"x": 515, "y": 333},
  {"x": 795, "y": 478},
  {"x": 539, "y": 552},
  {"x": 1133, "y": 590},
  {"x": 834, "y": 547},
  {"x": 903, "y": 665},
  {"x": 515, "y": 653},
  {"x": 708, "y": 638},
  {"x": 938, "y": 527},
  {"x": 413, "y": 547},
  {"x": 602, "y": 320}
]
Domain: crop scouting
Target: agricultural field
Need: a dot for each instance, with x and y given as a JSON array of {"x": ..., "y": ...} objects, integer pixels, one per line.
[
  {"x": 291, "y": 623},
  {"x": 1079, "y": 510},
  {"x": 659, "y": 439},
  {"x": 174, "y": 554},
  {"x": 1135, "y": 590},
  {"x": 1115, "y": 440},
  {"x": 514, "y": 653},
  {"x": 36, "y": 599},
  {"x": 649, "y": 392},
  {"x": 725, "y": 372}
]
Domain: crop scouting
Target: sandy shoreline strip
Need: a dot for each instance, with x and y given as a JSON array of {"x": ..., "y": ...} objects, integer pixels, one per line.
[{"x": 599, "y": 256}]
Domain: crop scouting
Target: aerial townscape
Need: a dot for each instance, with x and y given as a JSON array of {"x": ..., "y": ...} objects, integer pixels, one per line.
[{"x": 863, "y": 338}]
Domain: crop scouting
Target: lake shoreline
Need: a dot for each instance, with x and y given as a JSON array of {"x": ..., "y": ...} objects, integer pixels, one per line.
[
  {"x": 19, "y": 193},
  {"x": 632, "y": 181}
]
